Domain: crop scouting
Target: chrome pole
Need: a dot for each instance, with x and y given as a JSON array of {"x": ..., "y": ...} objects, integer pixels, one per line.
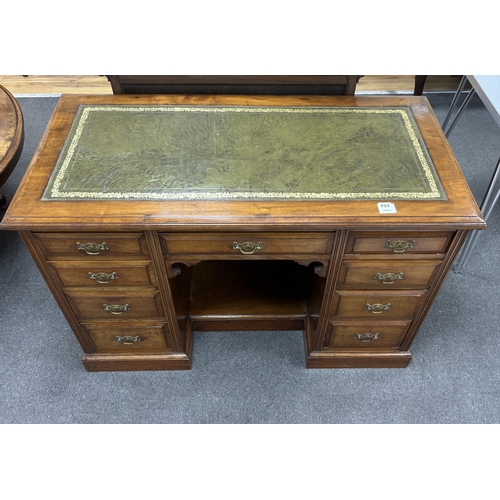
[
  {"x": 486, "y": 209},
  {"x": 454, "y": 101},
  {"x": 460, "y": 111}
]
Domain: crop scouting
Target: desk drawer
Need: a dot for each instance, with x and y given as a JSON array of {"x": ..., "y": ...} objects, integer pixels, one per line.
[
  {"x": 387, "y": 274},
  {"x": 377, "y": 335},
  {"x": 376, "y": 305},
  {"x": 103, "y": 274},
  {"x": 92, "y": 245},
  {"x": 125, "y": 338},
  {"x": 119, "y": 305},
  {"x": 398, "y": 243},
  {"x": 247, "y": 244}
]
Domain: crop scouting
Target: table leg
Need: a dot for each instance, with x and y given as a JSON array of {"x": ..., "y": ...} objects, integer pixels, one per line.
[
  {"x": 419, "y": 84},
  {"x": 458, "y": 92},
  {"x": 459, "y": 113},
  {"x": 487, "y": 206}
]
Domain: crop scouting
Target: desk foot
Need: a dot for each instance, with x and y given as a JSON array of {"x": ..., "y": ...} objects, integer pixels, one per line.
[
  {"x": 110, "y": 363},
  {"x": 352, "y": 359}
]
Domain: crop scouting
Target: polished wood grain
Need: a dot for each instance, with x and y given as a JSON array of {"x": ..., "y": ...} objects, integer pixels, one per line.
[
  {"x": 111, "y": 338},
  {"x": 135, "y": 361},
  {"x": 314, "y": 271},
  {"x": 460, "y": 209},
  {"x": 94, "y": 304},
  {"x": 377, "y": 243},
  {"x": 368, "y": 274},
  {"x": 64, "y": 245},
  {"x": 365, "y": 336},
  {"x": 354, "y": 303},
  {"x": 10, "y": 130},
  {"x": 56, "y": 84},
  {"x": 266, "y": 244},
  {"x": 359, "y": 358},
  {"x": 451, "y": 254},
  {"x": 11, "y": 136},
  {"x": 119, "y": 273},
  {"x": 99, "y": 84},
  {"x": 53, "y": 283},
  {"x": 234, "y": 84},
  {"x": 179, "y": 324},
  {"x": 249, "y": 288}
]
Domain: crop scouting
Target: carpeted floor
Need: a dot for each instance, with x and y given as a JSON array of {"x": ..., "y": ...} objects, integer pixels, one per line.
[{"x": 259, "y": 377}]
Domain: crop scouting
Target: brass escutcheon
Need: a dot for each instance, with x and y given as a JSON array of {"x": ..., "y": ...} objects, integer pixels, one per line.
[
  {"x": 388, "y": 278},
  {"x": 399, "y": 246},
  {"x": 116, "y": 308},
  {"x": 366, "y": 337},
  {"x": 92, "y": 248},
  {"x": 127, "y": 339},
  {"x": 247, "y": 248},
  {"x": 103, "y": 277},
  {"x": 377, "y": 308}
]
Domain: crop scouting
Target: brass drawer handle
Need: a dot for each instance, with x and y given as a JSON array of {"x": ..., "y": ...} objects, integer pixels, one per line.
[
  {"x": 366, "y": 337},
  {"x": 247, "y": 248},
  {"x": 116, "y": 308},
  {"x": 128, "y": 340},
  {"x": 377, "y": 308},
  {"x": 388, "y": 278},
  {"x": 399, "y": 246},
  {"x": 103, "y": 277},
  {"x": 92, "y": 248}
]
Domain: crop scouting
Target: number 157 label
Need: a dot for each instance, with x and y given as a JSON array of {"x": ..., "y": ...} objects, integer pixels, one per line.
[{"x": 386, "y": 208}]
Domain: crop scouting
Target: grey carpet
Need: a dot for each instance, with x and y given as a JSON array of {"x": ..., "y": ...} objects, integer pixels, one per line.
[{"x": 259, "y": 377}]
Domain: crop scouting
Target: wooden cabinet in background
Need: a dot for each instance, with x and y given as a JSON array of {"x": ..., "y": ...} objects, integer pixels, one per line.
[
  {"x": 240, "y": 84},
  {"x": 154, "y": 216}
]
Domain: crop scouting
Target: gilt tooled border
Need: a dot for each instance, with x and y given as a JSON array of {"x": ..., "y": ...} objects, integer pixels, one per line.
[{"x": 56, "y": 193}]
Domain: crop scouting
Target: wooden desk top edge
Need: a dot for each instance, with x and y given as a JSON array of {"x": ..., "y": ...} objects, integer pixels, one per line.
[{"x": 28, "y": 211}]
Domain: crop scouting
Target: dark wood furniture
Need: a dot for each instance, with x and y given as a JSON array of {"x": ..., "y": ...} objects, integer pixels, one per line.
[
  {"x": 243, "y": 84},
  {"x": 136, "y": 269},
  {"x": 419, "y": 84},
  {"x": 11, "y": 136}
]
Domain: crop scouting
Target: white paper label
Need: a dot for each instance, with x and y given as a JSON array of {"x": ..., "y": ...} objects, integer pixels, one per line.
[{"x": 386, "y": 208}]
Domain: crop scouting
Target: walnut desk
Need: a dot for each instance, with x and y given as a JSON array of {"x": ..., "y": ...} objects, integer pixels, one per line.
[{"x": 154, "y": 216}]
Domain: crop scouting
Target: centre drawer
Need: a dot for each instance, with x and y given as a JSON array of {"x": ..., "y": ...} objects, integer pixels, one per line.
[
  {"x": 239, "y": 245},
  {"x": 376, "y": 304},
  {"x": 116, "y": 304}
]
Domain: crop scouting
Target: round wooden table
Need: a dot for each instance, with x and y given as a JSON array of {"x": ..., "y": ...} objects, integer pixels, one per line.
[{"x": 11, "y": 136}]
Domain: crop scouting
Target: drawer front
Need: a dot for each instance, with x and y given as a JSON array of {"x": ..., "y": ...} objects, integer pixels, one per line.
[
  {"x": 365, "y": 335},
  {"x": 245, "y": 244},
  {"x": 119, "y": 305},
  {"x": 377, "y": 305},
  {"x": 103, "y": 274},
  {"x": 92, "y": 245},
  {"x": 127, "y": 339},
  {"x": 398, "y": 243},
  {"x": 388, "y": 274}
]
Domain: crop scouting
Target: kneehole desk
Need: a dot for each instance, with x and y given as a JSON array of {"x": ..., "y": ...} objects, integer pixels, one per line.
[{"x": 154, "y": 216}]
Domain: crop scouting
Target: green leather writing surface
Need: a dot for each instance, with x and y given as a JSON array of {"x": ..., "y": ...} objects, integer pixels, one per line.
[{"x": 241, "y": 153}]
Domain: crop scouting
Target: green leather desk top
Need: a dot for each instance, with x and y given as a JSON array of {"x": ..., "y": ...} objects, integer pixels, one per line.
[{"x": 174, "y": 152}]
